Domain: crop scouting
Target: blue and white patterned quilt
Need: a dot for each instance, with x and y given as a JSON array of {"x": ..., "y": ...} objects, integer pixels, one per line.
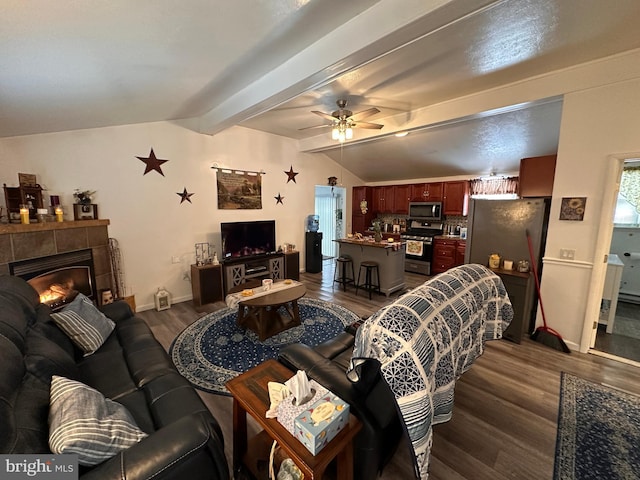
[{"x": 427, "y": 339}]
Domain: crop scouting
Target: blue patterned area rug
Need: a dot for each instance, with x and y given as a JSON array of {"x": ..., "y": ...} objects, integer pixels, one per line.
[
  {"x": 598, "y": 432},
  {"x": 213, "y": 350}
]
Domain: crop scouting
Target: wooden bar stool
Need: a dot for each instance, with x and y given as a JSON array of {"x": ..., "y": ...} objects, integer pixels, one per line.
[
  {"x": 370, "y": 268},
  {"x": 340, "y": 275}
]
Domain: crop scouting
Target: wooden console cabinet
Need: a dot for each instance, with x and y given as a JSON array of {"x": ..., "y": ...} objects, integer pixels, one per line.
[
  {"x": 522, "y": 296},
  {"x": 292, "y": 265},
  {"x": 206, "y": 284}
]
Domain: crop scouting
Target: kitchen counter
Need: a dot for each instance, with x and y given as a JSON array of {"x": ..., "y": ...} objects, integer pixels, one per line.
[
  {"x": 449, "y": 237},
  {"x": 388, "y": 256},
  {"x": 383, "y": 244}
]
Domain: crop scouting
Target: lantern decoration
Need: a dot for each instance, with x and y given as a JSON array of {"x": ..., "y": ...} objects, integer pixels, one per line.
[{"x": 162, "y": 299}]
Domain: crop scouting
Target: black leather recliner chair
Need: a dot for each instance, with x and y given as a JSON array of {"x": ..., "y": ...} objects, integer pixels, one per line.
[{"x": 369, "y": 397}]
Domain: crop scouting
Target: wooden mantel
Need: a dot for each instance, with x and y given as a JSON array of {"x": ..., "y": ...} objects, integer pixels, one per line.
[{"x": 39, "y": 227}]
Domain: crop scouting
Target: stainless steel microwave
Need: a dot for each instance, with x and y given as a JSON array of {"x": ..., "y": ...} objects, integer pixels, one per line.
[{"x": 428, "y": 211}]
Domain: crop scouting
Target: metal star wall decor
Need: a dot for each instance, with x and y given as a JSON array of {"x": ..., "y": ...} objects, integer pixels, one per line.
[
  {"x": 291, "y": 174},
  {"x": 184, "y": 195},
  {"x": 152, "y": 163},
  {"x": 279, "y": 199}
]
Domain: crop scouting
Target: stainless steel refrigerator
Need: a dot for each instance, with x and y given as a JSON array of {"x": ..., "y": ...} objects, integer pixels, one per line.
[{"x": 500, "y": 226}]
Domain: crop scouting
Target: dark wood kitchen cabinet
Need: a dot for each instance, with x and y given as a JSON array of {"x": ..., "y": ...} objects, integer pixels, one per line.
[
  {"x": 358, "y": 194},
  {"x": 455, "y": 199},
  {"x": 383, "y": 199},
  {"x": 536, "y": 176},
  {"x": 401, "y": 196},
  {"x": 426, "y": 192},
  {"x": 377, "y": 199},
  {"x": 461, "y": 247},
  {"x": 447, "y": 253},
  {"x": 360, "y": 222},
  {"x": 444, "y": 255}
]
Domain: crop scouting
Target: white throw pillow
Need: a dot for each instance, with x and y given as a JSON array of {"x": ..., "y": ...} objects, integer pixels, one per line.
[
  {"x": 85, "y": 325},
  {"x": 84, "y": 422}
]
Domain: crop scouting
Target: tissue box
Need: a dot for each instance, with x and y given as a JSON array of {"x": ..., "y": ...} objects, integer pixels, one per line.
[
  {"x": 315, "y": 433},
  {"x": 287, "y": 411}
]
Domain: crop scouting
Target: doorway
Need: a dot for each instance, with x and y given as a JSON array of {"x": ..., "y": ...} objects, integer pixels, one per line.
[
  {"x": 330, "y": 205},
  {"x": 618, "y": 330}
]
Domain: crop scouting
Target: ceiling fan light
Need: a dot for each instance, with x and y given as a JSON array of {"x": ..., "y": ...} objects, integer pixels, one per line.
[
  {"x": 341, "y": 137},
  {"x": 335, "y": 133},
  {"x": 349, "y": 133}
]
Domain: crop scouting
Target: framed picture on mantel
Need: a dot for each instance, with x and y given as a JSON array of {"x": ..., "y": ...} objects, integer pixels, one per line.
[{"x": 85, "y": 211}]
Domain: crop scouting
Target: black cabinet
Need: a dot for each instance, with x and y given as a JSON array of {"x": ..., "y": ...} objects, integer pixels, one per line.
[{"x": 313, "y": 255}]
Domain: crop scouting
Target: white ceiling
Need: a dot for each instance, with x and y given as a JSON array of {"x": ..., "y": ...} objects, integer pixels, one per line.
[{"x": 265, "y": 64}]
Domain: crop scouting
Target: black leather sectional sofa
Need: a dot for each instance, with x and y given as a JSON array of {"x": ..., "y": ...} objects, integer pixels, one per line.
[{"x": 184, "y": 440}]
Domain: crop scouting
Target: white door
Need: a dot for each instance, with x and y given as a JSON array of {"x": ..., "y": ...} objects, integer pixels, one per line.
[{"x": 330, "y": 210}]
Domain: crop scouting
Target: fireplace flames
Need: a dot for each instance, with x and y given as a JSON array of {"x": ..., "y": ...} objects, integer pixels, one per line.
[{"x": 57, "y": 294}]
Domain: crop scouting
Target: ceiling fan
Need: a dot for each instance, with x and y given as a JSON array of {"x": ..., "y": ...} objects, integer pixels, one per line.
[{"x": 343, "y": 121}]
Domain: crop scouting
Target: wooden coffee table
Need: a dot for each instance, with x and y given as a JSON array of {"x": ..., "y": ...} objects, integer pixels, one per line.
[
  {"x": 271, "y": 313},
  {"x": 250, "y": 395}
]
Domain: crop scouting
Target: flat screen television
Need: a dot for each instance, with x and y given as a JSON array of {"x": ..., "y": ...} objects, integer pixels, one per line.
[{"x": 245, "y": 239}]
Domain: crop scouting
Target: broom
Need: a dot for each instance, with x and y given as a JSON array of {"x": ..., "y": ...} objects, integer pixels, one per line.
[{"x": 544, "y": 334}]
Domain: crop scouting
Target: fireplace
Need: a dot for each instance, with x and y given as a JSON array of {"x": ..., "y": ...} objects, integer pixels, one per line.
[{"x": 59, "y": 278}]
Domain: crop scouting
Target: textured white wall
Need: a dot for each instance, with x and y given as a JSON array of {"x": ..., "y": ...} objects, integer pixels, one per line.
[
  {"x": 146, "y": 216},
  {"x": 596, "y": 123}
]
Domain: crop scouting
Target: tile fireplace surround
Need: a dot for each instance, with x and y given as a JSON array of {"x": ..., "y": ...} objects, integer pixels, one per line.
[{"x": 22, "y": 242}]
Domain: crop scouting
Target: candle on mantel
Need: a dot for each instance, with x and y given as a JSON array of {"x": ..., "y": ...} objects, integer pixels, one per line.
[
  {"x": 24, "y": 214},
  {"x": 59, "y": 214}
]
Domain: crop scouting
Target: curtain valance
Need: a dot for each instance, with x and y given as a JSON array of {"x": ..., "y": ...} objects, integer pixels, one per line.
[
  {"x": 494, "y": 186},
  {"x": 630, "y": 186}
]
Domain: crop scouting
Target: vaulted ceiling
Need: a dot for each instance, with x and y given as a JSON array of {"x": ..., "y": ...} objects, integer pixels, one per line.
[{"x": 267, "y": 64}]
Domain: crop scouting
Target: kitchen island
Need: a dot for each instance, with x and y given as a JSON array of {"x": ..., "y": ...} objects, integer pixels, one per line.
[{"x": 388, "y": 255}]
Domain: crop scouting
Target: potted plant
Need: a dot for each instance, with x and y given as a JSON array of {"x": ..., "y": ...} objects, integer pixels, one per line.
[{"x": 83, "y": 197}]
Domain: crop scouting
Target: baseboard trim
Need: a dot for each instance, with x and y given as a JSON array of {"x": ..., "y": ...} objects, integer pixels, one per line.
[{"x": 151, "y": 306}]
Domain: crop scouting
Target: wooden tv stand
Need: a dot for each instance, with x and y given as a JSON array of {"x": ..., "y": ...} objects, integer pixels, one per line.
[
  {"x": 276, "y": 266},
  {"x": 211, "y": 283}
]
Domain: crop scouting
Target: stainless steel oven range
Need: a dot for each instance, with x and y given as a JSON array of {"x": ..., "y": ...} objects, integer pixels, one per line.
[{"x": 419, "y": 248}]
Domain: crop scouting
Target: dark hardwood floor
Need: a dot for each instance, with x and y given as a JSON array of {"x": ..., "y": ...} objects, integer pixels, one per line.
[
  {"x": 622, "y": 343},
  {"x": 506, "y": 405}
]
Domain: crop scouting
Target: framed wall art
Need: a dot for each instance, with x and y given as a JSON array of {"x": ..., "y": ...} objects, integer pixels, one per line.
[
  {"x": 572, "y": 208},
  {"x": 27, "y": 180},
  {"x": 239, "y": 190}
]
